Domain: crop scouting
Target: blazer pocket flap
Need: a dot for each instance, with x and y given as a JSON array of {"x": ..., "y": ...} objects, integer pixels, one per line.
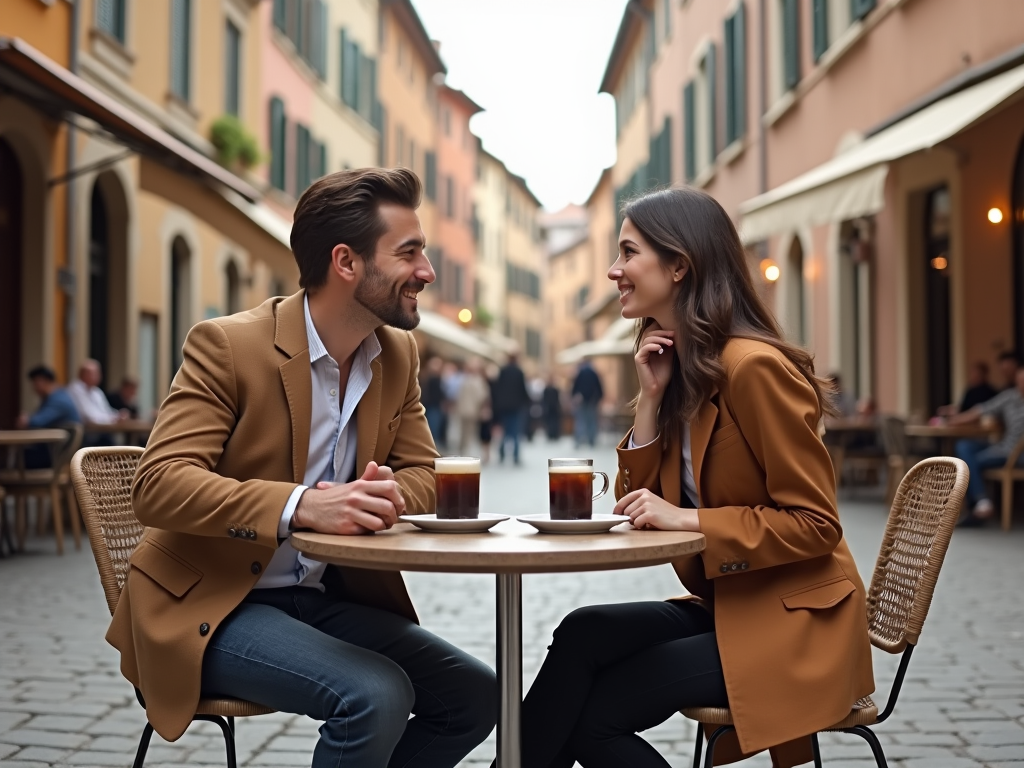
[
  {"x": 817, "y": 598},
  {"x": 723, "y": 433},
  {"x": 165, "y": 569},
  {"x": 393, "y": 424}
]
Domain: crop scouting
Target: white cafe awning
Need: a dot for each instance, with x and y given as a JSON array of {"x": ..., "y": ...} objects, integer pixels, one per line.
[
  {"x": 617, "y": 340},
  {"x": 452, "y": 340},
  {"x": 852, "y": 184}
]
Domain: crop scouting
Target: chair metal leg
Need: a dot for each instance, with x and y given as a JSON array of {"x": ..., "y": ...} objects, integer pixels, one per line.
[
  {"x": 876, "y": 747},
  {"x": 229, "y": 736},
  {"x": 140, "y": 755},
  {"x": 709, "y": 757},
  {"x": 816, "y": 750},
  {"x": 699, "y": 746}
]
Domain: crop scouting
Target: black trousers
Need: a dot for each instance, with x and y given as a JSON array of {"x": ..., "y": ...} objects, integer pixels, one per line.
[{"x": 612, "y": 671}]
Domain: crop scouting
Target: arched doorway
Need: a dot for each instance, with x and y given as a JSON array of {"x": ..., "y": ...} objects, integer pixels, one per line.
[
  {"x": 181, "y": 299},
  {"x": 936, "y": 297},
  {"x": 1017, "y": 205},
  {"x": 11, "y": 192},
  {"x": 233, "y": 288},
  {"x": 795, "y": 319},
  {"x": 108, "y": 278}
]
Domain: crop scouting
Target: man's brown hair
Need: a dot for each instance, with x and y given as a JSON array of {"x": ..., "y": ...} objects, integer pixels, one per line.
[{"x": 342, "y": 208}]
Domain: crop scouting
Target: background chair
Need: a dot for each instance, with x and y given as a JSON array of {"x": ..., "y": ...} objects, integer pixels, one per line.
[
  {"x": 917, "y": 534},
  {"x": 898, "y": 458},
  {"x": 102, "y": 480},
  {"x": 1006, "y": 476},
  {"x": 52, "y": 483}
]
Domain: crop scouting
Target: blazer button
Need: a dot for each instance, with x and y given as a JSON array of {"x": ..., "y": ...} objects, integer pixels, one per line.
[
  {"x": 256, "y": 568},
  {"x": 204, "y": 629},
  {"x": 735, "y": 567},
  {"x": 232, "y": 532},
  {"x": 743, "y": 566},
  {"x": 724, "y": 569}
]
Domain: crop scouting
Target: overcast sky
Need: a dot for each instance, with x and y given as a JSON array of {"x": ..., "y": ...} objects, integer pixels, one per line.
[{"x": 535, "y": 66}]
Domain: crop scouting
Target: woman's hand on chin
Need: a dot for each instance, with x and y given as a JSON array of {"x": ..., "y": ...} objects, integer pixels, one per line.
[{"x": 646, "y": 509}]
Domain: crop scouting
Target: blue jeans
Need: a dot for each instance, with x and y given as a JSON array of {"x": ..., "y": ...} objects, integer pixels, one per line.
[
  {"x": 585, "y": 426},
  {"x": 435, "y": 421},
  {"x": 361, "y": 671},
  {"x": 511, "y": 428},
  {"x": 979, "y": 455}
]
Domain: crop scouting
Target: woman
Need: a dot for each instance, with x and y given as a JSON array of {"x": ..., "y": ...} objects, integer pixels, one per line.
[{"x": 725, "y": 442}]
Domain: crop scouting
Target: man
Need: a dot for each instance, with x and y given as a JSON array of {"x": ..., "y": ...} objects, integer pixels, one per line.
[
  {"x": 1008, "y": 363},
  {"x": 978, "y": 391},
  {"x": 123, "y": 398},
  {"x": 89, "y": 399},
  {"x": 587, "y": 394},
  {"x": 980, "y": 455},
  {"x": 511, "y": 400},
  {"x": 303, "y": 413},
  {"x": 56, "y": 410}
]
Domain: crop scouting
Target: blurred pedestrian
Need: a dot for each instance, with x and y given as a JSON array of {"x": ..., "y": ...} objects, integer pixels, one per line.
[
  {"x": 89, "y": 399},
  {"x": 487, "y": 420},
  {"x": 471, "y": 402},
  {"x": 587, "y": 394},
  {"x": 433, "y": 399},
  {"x": 535, "y": 418},
  {"x": 511, "y": 401},
  {"x": 56, "y": 411},
  {"x": 123, "y": 398},
  {"x": 551, "y": 402},
  {"x": 451, "y": 380}
]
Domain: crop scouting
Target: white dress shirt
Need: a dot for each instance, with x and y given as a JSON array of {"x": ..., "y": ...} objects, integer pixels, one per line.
[
  {"x": 91, "y": 403},
  {"x": 332, "y": 448},
  {"x": 688, "y": 483}
]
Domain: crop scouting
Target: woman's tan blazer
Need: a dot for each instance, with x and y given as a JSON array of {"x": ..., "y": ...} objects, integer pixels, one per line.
[
  {"x": 229, "y": 446},
  {"x": 788, "y": 603}
]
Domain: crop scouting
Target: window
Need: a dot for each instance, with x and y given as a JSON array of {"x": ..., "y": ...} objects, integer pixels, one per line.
[
  {"x": 457, "y": 279},
  {"x": 302, "y": 153},
  {"x": 430, "y": 175},
  {"x": 666, "y": 18},
  {"x": 148, "y": 364},
  {"x": 659, "y": 163},
  {"x": 110, "y": 18},
  {"x": 689, "y": 139},
  {"x": 305, "y": 23},
  {"x": 532, "y": 343},
  {"x": 232, "y": 288},
  {"x": 699, "y": 127},
  {"x": 819, "y": 25},
  {"x": 790, "y": 44},
  {"x": 232, "y": 68},
  {"x": 278, "y": 142},
  {"x": 449, "y": 197},
  {"x": 281, "y": 15},
  {"x": 359, "y": 81},
  {"x": 735, "y": 55},
  {"x": 860, "y": 8},
  {"x": 181, "y": 47}
]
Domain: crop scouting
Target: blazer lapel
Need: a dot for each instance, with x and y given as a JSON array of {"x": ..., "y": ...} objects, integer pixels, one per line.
[
  {"x": 368, "y": 418},
  {"x": 290, "y": 337},
  {"x": 700, "y": 435}
]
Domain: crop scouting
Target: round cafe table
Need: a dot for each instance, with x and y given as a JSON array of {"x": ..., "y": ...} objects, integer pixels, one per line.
[{"x": 508, "y": 550}]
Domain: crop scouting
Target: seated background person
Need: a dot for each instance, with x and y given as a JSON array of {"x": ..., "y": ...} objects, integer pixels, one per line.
[
  {"x": 123, "y": 398},
  {"x": 978, "y": 391},
  {"x": 980, "y": 455},
  {"x": 56, "y": 410},
  {"x": 1008, "y": 363}
]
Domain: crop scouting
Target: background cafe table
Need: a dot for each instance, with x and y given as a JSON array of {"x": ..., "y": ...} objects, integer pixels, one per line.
[
  {"x": 947, "y": 434},
  {"x": 13, "y": 443},
  {"x": 134, "y": 430},
  {"x": 509, "y": 550}
]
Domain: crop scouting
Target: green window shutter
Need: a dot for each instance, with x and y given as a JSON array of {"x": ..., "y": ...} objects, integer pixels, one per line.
[
  {"x": 298, "y": 30},
  {"x": 430, "y": 175},
  {"x": 711, "y": 68},
  {"x": 819, "y": 10},
  {"x": 349, "y": 71},
  {"x": 320, "y": 36},
  {"x": 357, "y": 76},
  {"x": 181, "y": 13},
  {"x": 382, "y": 133},
  {"x": 301, "y": 159},
  {"x": 278, "y": 128},
  {"x": 232, "y": 68},
  {"x": 365, "y": 88},
  {"x": 110, "y": 17},
  {"x": 739, "y": 39},
  {"x": 321, "y": 164},
  {"x": 689, "y": 139},
  {"x": 280, "y": 15},
  {"x": 665, "y": 152},
  {"x": 729, "y": 60},
  {"x": 375, "y": 108},
  {"x": 860, "y": 8},
  {"x": 791, "y": 43}
]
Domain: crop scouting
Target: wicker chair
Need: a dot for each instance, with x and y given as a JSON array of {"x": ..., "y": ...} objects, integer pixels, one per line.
[
  {"x": 103, "y": 478},
  {"x": 917, "y": 534}
]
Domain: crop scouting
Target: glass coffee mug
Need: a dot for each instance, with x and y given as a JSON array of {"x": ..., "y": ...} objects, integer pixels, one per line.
[
  {"x": 570, "y": 487},
  {"x": 457, "y": 482}
]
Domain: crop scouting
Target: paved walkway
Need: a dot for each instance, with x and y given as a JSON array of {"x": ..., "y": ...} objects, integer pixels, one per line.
[{"x": 62, "y": 701}]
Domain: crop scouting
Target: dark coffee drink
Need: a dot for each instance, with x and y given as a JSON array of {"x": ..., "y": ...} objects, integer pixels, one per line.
[
  {"x": 457, "y": 482},
  {"x": 571, "y": 491}
]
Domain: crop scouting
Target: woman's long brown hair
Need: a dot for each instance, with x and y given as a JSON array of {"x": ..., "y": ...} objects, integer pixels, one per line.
[{"x": 716, "y": 302}]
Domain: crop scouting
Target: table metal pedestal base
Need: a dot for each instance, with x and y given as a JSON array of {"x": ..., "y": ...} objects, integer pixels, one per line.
[{"x": 510, "y": 668}]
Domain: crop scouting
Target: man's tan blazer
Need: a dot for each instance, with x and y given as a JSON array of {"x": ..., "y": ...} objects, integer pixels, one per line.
[
  {"x": 788, "y": 603},
  {"x": 228, "y": 448}
]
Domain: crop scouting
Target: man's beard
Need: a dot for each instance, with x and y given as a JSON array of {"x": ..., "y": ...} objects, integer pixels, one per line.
[{"x": 377, "y": 294}]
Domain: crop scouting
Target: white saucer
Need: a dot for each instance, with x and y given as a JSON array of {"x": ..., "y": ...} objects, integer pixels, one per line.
[
  {"x": 597, "y": 524},
  {"x": 433, "y": 524}
]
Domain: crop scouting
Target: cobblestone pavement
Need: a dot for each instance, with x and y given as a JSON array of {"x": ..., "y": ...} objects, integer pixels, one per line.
[{"x": 63, "y": 702}]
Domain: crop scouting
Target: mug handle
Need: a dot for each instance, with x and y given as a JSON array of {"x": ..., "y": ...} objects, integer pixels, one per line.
[{"x": 604, "y": 490}]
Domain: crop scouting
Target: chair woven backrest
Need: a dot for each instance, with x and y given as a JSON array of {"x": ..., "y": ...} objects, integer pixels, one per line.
[
  {"x": 920, "y": 525},
  {"x": 894, "y": 436},
  {"x": 103, "y": 483}
]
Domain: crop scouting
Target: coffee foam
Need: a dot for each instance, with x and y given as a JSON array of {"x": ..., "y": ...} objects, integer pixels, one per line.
[
  {"x": 577, "y": 470},
  {"x": 459, "y": 466}
]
